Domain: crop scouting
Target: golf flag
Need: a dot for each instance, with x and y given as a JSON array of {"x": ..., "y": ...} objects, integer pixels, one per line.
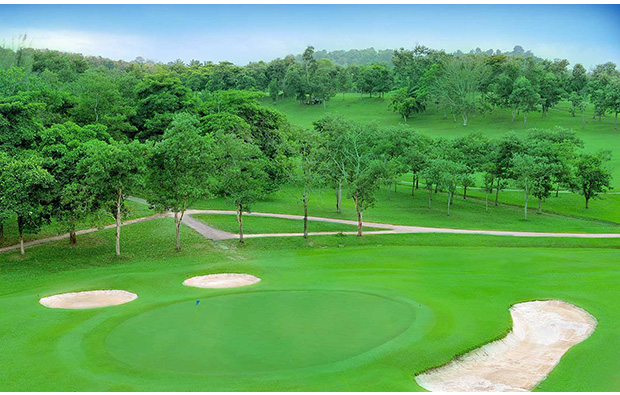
[{"x": 197, "y": 302}]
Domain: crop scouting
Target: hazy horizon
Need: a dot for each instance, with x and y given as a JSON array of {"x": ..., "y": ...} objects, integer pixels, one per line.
[{"x": 243, "y": 33}]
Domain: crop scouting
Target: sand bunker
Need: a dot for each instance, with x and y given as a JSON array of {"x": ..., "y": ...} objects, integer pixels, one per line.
[
  {"x": 542, "y": 332},
  {"x": 222, "y": 280},
  {"x": 88, "y": 299}
]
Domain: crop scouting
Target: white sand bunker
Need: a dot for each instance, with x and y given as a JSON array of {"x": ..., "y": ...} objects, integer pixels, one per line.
[
  {"x": 542, "y": 332},
  {"x": 222, "y": 280},
  {"x": 88, "y": 299}
]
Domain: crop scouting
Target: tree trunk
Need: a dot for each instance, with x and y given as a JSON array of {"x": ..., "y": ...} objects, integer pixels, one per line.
[
  {"x": 497, "y": 192},
  {"x": 464, "y": 119},
  {"x": 20, "y": 227},
  {"x": 449, "y": 201},
  {"x": 1, "y": 231},
  {"x": 583, "y": 118},
  {"x": 413, "y": 185},
  {"x": 453, "y": 116},
  {"x": 240, "y": 222},
  {"x": 445, "y": 113},
  {"x": 359, "y": 217},
  {"x": 557, "y": 190},
  {"x": 525, "y": 206},
  {"x": 339, "y": 196},
  {"x": 305, "y": 217},
  {"x": 524, "y": 119},
  {"x": 177, "y": 226},
  {"x": 395, "y": 185},
  {"x": 118, "y": 222},
  {"x": 486, "y": 202},
  {"x": 539, "y": 206},
  {"x": 389, "y": 192},
  {"x": 514, "y": 114},
  {"x": 464, "y": 191},
  {"x": 587, "y": 200},
  {"x": 430, "y": 197},
  {"x": 417, "y": 182},
  {"x": 616, "y": 122},
  {"x": 72, "y": 236}
]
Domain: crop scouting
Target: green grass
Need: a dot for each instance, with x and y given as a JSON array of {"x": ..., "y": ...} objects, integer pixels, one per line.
[
  {"x": 257, "y": 224},
  {"x": 596, "y": 135},
  {"x": 410, "y": 302},
  {"x": 11, "y": 234},
  {"x": 404, "y": 209}
]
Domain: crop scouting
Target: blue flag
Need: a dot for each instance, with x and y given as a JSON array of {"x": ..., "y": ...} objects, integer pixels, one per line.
[{"x": 197, "y": 302}]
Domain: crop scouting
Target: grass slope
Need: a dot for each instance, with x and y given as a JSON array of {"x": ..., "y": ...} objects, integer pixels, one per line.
[
  {"x": 459, "y": 288},
  {"x": 596, "y": 134}
]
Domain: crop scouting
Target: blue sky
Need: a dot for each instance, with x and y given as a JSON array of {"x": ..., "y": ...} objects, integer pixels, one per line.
[{"x": 242, "y": 33}]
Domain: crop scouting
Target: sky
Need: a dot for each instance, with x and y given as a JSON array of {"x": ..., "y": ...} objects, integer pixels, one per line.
[{"x": 587, "y": 34}]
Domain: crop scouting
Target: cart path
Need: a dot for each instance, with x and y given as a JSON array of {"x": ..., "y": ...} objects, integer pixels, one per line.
[{"x": 217, "y": 234}]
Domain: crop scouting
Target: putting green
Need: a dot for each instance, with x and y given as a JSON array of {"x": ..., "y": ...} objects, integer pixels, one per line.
[{"x": 259, "y": 331}]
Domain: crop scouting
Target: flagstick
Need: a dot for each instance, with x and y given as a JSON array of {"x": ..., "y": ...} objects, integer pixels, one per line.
[{"x": 195, "y": 315}]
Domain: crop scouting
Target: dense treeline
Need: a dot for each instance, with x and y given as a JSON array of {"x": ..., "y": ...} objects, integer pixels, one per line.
[{"x": 78, "y": 135}]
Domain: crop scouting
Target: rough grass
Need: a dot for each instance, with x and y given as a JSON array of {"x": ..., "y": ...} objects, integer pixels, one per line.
[{"x": 460, "y": 287}]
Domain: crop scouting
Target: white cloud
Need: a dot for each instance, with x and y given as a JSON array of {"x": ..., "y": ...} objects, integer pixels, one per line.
[{"x": 115, "y": 46}]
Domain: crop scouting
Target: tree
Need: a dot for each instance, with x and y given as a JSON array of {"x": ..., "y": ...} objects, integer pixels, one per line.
[
  {"x": 613, "y": 99},
  {"x": 323, "y": 81},
  {"x": 471, "y": 151},
  {"x": 242, "y": 174},
  {"x": 112, "y": 171},
  {"x": 578, "y": 78},
  {"x": 62, "y": 147},
  {"x": 550, "y": 92},
  {"x": 406, "y": 102},
  {"x": 592, "y": 176},
  {"x": 334, "y": 132},
  {"x": 579, "y": 101},
  {"x": 460, "y": 83},
  {"x": 25, "y": 190},
  {"x": 344, "y": 81},
  {"x": 524, "y": 98},
  {"x": 160, "y": 96},
  {"x": 500, "y": 159},
  {"x": 526, "y": 171},
  {"x": 308, "y": 170},
  {"x": 181, "y": 168}
]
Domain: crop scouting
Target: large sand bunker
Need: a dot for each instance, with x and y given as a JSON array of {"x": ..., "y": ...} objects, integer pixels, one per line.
[
  {"x": 542, "y": 332},
  {"x": 222, "y": 280},
  {"x": 88, "y": 299}
]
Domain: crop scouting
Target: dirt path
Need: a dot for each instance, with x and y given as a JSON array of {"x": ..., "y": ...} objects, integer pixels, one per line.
[
  {"x": 212, "y": 233},
  {"x": 542, "y": 332}
]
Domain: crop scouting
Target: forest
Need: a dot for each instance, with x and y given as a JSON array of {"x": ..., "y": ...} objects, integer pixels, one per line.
[{"x": 78, "y": 134}]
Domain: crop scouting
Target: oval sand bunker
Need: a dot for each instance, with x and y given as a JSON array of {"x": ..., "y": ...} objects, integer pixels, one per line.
[
  {"x": 88, "y": 299},
  {"x": 222, "y": 280},
  {"x": 542, "y": 331}
]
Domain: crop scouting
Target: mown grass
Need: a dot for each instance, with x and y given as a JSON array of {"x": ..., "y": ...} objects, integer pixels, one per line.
[
  {"x": 461, "y": 287},
  {"x": 404, "y": 209},
  {"x": 11, "y": 234},
  {"x": 256, "y": 224}
]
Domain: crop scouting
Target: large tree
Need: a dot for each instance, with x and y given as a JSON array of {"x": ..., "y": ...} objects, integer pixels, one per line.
[
  {"x": 460, "y": 83},
  {"x": 593, "y": 177},
  {"x": 26, "y": 192},
  {"x": 112, "y": 171},
  {"x": 181, "y": 168},
  {"x": 242, "y": 174}
]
